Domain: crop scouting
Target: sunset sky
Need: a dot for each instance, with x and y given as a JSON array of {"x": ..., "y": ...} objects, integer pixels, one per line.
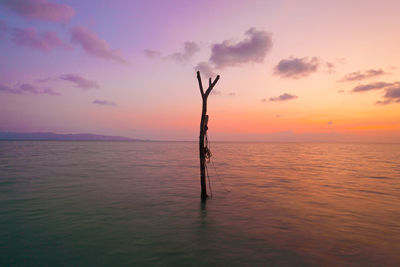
[{"x": 290, "y": 70}]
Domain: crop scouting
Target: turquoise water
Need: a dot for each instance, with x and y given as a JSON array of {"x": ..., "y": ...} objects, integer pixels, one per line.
[{"x": 138, "y": 204}]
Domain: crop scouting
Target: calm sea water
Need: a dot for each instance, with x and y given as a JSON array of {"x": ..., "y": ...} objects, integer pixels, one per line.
[{"x": 138, "y": 204}]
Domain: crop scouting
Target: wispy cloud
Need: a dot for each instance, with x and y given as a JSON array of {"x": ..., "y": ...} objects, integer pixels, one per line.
[
  {"x": 39, "y": 9},
  {"x": 79, "y": 81},
  {"x": 392, "y": 95},
  {"x": 152, "y": 53},
  {"x": 49, "y": 91},
  {"x": 27, "y": 88},
  {"x": 371, "y": 86},
  {"x": 94, "y": 45},
  {"x": 251, "y": 49},
  {"x": 219, "y": 93},
  {"x": 297, "y": 67},
  {"x": 215, "y": 92},
  {"x": 283, "y": 97},
  {"x": 104, "y": 103},
  {"x": 3, "y": 27},
  {"x": 29, "y": 37},
  {"x": 330, "y": 67},
  {"x": 205, "y": 69},
  {"x": 189, "y": 50},
  {"x": 362, "y": 75},
  {"x": 392, "y": 91}
]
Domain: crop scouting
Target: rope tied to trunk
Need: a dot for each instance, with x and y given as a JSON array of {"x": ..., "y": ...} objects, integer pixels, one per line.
[
  {"x": 207, "y": 151},
  {"x": 208, "y": 155}
]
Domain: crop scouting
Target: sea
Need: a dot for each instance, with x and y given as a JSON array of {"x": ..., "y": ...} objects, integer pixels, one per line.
[{"x": 99, "y": 203}]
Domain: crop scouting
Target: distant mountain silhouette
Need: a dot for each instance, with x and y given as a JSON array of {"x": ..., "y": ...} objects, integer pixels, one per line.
[{"x": 62, "y": 137}]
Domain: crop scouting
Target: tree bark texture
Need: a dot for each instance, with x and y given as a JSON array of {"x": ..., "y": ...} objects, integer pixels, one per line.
[{"x": 203, "y": 132}]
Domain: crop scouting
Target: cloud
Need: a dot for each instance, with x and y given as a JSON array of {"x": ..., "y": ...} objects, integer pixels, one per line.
[
  {"x": 45, "y": 80},
  {"x": 3, "y": 27},
  {"x": 8, "y": 89},
  {"x": 205, "y": 69},
  {"x": 39, "y": 9},
  {"x": 330, "y": 67},
  {"x": 79, "y": 81},
  {"x": 392, "y": 91},
  {"x": 362, "y": 75},
  {"x": 26, "y": 88},
  {"x": 49, "y": 91},
  {"x": 152, "y": 53},
  {"x": 392, "y": 95},
  {"x": 283, "y": 97},
  {"x": 251, "y": 49},
  {"x": 297, "y": 67},
  {"x": 40, "y": 41},
  {"x": 341, "y": 91},
  {"x": 189, "y": 50},
  {"x": 104, "y": 103},
  {"x": 216, "y": 92},
  {"x": 371, "y": 86},
  {"x": 263, "y": 100},
  {"x": 330, "y": 122},
  {"x": 94, "y": 45}
]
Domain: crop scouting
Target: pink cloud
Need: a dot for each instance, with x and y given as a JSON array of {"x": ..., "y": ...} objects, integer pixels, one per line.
[
  {"x": 205, "y": 69},
  {"x": 26, "y": 88},
  {"x": 392, "y": 91},
  {"x": 3, "y": 27},
  {"x": 283, "y": 97},
  {"x": 152, "y": 53},
  {"x": 41, "y": 41},
  {"x": 40, "y": 9},
  {"x": 94, "y": 45},
  {"x": 189, "y": 50},
  {"x": 252, "y": 49},
  {"x": 361, "y": 75},
  {"x": 79, "y": 81},
  {"x": 371, "y": 86},
  {"x": 104, "y": 103},
  {"x": 296, "y": 68},
  {"x": 49, "y": 91}
]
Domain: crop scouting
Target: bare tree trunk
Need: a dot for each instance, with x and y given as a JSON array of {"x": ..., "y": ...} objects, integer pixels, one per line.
[{"x": 203, "y": 132}]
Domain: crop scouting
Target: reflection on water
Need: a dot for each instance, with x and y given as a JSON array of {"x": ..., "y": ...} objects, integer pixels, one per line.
[{"x": 134, "y": 203}]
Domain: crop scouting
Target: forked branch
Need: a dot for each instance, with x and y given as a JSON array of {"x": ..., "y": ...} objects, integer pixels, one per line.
[{"x": 210, "y": 85}]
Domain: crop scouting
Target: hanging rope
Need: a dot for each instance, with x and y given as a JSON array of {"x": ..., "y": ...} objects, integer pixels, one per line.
[
  {"x": 207, "y": 150},
  {"x": 209, "y": 181},
  {"x": 208, "y": 156}
]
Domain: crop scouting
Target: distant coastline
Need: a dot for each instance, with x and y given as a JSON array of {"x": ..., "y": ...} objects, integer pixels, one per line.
[{"x": 49, "y": 136}]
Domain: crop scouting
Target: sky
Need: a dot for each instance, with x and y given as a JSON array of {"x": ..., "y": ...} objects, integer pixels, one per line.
[{"x": 324, "y": 71}]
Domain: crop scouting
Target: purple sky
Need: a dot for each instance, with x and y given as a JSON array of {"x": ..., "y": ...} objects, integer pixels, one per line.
[{"x": 320, "y": 69}]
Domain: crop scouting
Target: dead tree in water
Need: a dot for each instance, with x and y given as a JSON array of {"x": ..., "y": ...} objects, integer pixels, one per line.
[{"x": 203, "y": 132}]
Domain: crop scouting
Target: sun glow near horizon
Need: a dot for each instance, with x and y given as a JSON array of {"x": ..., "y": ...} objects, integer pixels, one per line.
[{"x": 289, "y": 71}]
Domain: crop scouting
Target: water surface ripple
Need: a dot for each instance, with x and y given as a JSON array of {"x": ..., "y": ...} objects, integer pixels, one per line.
[{"x": 137, "y": 204}]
